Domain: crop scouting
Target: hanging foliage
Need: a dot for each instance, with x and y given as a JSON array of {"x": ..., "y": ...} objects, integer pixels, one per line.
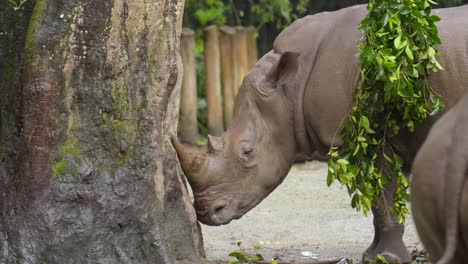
[{"x": 396, "y": 54}]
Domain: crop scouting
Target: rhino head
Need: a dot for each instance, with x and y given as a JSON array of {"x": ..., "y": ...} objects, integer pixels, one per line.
[{"x": 254, "y": 155}]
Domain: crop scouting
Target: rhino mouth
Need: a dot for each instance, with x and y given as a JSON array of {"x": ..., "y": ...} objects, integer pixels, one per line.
[
  {"x": 214, "y": 221},
  {"x": 223, "y": 212},
  {"x": 219, "y": 213}
]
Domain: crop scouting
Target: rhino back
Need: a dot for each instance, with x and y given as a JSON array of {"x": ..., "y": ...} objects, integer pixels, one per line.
[{"x": 328, "y": 70}]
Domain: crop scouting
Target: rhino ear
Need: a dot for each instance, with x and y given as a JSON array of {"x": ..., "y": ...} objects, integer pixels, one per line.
[
  {"x": 284, "y": 70},
  {"x": 215, "y": 144}
]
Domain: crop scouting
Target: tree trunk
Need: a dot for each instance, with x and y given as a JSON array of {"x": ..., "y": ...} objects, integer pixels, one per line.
[
  {"x": 12, "y": 39},
  {"x": 87, "y": 172}
]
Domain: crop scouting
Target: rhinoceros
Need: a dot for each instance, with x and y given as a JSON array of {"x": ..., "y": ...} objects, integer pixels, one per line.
[
  {"x": 293, "y": 101},
  {"x": 439, "y": 193}
]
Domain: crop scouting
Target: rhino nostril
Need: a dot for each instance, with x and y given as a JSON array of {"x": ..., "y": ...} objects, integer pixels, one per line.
[{"x": 217, "y": 209}]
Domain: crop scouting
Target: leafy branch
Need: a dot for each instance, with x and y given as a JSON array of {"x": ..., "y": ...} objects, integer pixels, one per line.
[
  {"x": 396, "y": 54},
  {"x": 242, "y": 256},
  {"x": 17, "y": 4}
]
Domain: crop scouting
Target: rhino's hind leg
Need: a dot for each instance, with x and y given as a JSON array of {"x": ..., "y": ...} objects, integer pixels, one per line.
[
  {"x": 388, "y": 239},
  {"x": 388, "y": 233}
]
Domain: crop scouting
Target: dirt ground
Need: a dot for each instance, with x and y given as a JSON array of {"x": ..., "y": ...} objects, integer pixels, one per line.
[{"x": 302, "y": 219}]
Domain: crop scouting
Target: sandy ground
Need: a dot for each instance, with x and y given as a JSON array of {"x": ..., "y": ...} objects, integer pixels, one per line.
[{"x": 302, "y": 217}]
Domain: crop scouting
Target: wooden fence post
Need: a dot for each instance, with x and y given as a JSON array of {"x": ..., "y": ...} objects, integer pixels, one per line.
[
  {"x": 213, "y": 82},
  {"x": 242, "y": 55},
  {"x": 188, "y": 130},
  {"x": 252, "y": 46},
  {"x": 229, "y": 71}
]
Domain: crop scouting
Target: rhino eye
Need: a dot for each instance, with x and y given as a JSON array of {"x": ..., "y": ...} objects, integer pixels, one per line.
[{"x": 248, "y": 153}]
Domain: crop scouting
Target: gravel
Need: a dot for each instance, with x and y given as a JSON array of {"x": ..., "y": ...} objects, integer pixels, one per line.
[{"x": 302, "y": 219}]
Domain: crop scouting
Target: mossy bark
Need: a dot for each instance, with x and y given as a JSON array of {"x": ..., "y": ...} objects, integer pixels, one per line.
[
  {"x": 87, "y": 164},
  {"x": 12, "y": 39}
]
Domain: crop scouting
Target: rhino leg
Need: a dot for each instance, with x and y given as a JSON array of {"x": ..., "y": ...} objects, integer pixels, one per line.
[
  {"x": 430, "y": 231},
  {"x": 388, "y": 233},
  {"x": 426, "y": 197}
]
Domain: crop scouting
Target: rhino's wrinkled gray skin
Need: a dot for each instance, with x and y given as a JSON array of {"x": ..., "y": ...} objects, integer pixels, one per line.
[
  {"x": 439, "y": 193},
  {"x": 293, "y": 101}
]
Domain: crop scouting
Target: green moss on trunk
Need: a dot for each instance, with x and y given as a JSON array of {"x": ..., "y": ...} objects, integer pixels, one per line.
[{"x": 34, "y": 24}]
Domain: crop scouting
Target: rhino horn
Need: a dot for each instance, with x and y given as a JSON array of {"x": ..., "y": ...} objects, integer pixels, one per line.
[
  {"x": 191, "y": 161},
  {"x": 215, "y": 144}
]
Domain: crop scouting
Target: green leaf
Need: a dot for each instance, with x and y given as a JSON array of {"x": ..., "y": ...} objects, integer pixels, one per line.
[
  {"x": 330, "y": 178},
  {"x": 342, "y": 162},
  {"x": 364, "y": 145},
  {"x": 397, "y": 42},
  {"x": 396, "y": 54},
  {"x": 409, "y": 53},
  {"x": 255, "y": 258},
  {"x": 438, "y": 66},
  {"x": 356, "y": 150},
  {"x": 239, "y": 256},
  {"x": 355, "y": 200},
  {"x": 411, "y": 125},
  {"x": 365, "y": 123},
  {"x": 259, "y": 257},
  {"x": 387, "y": 157},
  {"x": 415, "y": 73}
]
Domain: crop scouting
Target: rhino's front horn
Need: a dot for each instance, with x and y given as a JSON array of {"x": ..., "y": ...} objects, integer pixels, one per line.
[{"x": 191, "y": 161}]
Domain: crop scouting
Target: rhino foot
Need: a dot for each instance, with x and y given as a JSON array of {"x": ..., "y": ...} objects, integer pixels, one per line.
[{"x": 393, "y": 254}]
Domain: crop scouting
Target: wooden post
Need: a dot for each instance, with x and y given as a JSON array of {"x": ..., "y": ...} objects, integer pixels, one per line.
[
  {"x": 252, "y": 46},
  {"x": 213, "y": 82},
  {"x": 240, "y": 46},
  {"x": 229, "y": 71},
  {"x": 188, "y": 130}
]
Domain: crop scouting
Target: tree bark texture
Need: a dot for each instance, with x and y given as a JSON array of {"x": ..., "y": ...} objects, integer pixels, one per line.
[
  {"x": 240, "y": 46},
  {"x": 87, "y": 172},
  {"x": 188, "y": 129},
  {"x": 229, "y": 71},
  {"x": 213, "y": 81}
]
